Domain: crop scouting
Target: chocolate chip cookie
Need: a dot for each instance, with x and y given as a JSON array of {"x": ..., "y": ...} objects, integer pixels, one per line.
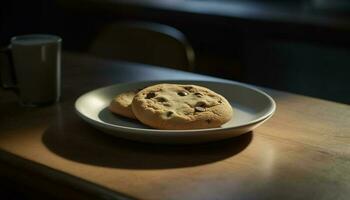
[
  {"x": 121, "y": 104},
  {"x": 174, "y": 106}
]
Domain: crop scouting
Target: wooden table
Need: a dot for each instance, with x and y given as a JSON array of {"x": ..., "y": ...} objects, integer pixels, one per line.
[{"x": 302, "y": 152}]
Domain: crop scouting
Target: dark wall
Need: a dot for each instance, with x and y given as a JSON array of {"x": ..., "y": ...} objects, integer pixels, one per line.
[
  {"x": 307, "y": 68},
  {"x": 23, "y": 17},
  {"x": 304, "y": 64},
  {"x": 45, "y": 16}
]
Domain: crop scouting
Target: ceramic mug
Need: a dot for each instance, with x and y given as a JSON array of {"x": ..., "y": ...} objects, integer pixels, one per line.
[{"x": 31, "y": 65}]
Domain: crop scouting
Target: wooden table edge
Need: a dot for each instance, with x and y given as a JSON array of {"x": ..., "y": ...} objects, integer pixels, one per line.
[{"x": 22, "y": 169}]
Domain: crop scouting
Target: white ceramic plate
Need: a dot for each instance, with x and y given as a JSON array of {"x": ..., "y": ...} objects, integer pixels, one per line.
[{"x": 251, "y": 108}]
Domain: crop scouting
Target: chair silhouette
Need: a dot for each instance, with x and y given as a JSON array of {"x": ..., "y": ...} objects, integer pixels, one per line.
[{"x": 145, "y": 42}]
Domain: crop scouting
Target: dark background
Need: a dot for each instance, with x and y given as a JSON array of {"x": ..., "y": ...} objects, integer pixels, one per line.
[
  {"x": 282, "y": 46},
  {"x": 302, "y": 52}
]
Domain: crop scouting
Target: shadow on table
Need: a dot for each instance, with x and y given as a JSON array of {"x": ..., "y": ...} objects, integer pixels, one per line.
[{"x": 72, "y": 138}]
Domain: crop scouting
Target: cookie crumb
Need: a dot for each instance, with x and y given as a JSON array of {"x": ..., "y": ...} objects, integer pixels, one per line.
[
  {"x": 169, "y": 113},
  {"x": 150, "y": 95}
]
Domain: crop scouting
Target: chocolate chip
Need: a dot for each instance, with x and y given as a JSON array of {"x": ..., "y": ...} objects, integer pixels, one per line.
[
  {"x": 199, "y": 109},
  {"x": 201, "y": 104},
  {"x": 161, "y": 99},
  {"x": 219, "y": 101},
  {"x": 198, "y": 94},
  {"x": 150, "y": 95},
  {"x": 169, "y": 113},
  {"x": 208, "y": 121},
  {"x": 182, "y": 93},
  {"x": 188, "y": 88},
  {"x": 167, "y": 104}
]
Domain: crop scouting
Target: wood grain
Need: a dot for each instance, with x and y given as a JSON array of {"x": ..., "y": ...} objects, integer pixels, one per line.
[{"x": 302, "y": 152}]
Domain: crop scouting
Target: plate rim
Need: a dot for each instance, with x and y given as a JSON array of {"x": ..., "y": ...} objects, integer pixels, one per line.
[{"x": 186, "y": 131}]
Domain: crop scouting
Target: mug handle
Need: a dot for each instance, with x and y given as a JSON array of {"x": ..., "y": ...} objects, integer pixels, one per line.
[{"x": 7, "y": 71}]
